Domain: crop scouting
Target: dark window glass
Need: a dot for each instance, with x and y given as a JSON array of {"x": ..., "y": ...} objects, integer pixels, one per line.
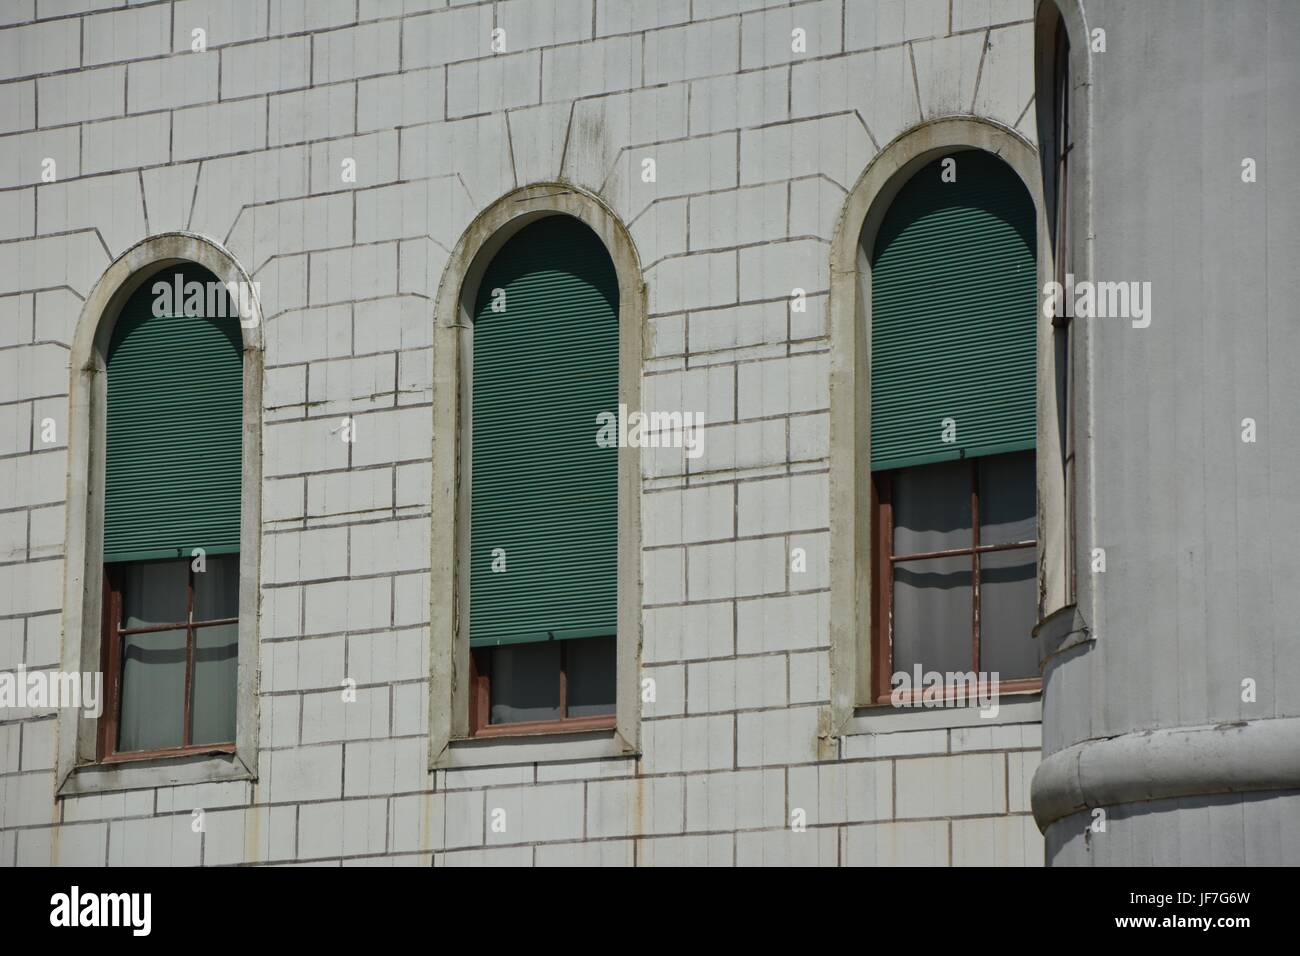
[
  {"x": 1007, "y": 500},
  {"x": 525, "y": 683},
  {"x": 589, "y": 673},
  {"x": 155, "y": 592},
  {"x": 551, "y": 682},
  {"x": 216, "y": 589}
]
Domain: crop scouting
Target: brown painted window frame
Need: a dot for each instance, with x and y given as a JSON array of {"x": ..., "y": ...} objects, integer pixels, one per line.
[
  {"x": 480, "y": 702},
  {"x": 111, "y": 653},
  {"x": 882, "y": 622}
]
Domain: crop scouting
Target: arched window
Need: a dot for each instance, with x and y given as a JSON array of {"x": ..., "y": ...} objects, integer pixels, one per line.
[
  {"x": 544, "y": 530},
  {"x": 953, "y": 425},
  {"x": 173, "y": 445},
  {"x": 1053, "y": 93}
]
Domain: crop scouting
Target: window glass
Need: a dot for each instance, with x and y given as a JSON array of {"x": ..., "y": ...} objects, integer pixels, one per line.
[
  {"x": 932, "y": 508},
  {"x": 989, "y": 582},
  {"x": 589, "y": 672},
  {"x": 154, "y": 592},
  {"x": 216, "y": 589},
  {"x": 1008, "y": 607},
  {"x": 215, "y": 684},
  {"x": 1008, "y": 504},
  {"x": 153, "y": 690},
  {"x": 525, "y": 682},
  {"x": 158, "y": 666},
  {"x": 932, "y": 614}
]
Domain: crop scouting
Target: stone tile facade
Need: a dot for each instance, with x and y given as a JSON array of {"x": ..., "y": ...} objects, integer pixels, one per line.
[{"x": 236, "y": 120}]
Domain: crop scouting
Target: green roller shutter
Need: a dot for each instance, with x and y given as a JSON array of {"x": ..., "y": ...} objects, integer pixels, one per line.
[
  {"x": 543, "y": 491},
  {"x": 953, "y": 316},
  {"x": 174, "y": 430}
]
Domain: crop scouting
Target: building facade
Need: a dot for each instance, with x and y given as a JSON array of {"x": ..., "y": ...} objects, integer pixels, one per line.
[{"x": 749, "y": 199}]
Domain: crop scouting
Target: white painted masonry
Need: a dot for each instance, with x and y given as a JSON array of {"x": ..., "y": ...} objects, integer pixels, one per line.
[{"x": 245, "y": 144}]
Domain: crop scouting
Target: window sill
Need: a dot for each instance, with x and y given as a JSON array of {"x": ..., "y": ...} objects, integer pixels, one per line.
[
  {"x": 146, "y": 773},
  {"x": 524, "y": 748},
  {"x": 913, "y": 699},
  {"x": 168, "y": 753},
  {"x": 1063, "y": 630},
  {"x": 535, "y": 728},
  {"x": 1013, "y": 708}
]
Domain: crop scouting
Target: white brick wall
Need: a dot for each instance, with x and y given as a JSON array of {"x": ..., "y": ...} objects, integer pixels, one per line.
[{"x": 755, "y": 146}]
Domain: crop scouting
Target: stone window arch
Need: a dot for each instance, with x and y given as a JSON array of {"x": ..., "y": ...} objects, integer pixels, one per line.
[
  {"x": 853, "y": 671},
  {"x": 450, "y": 582},
  {"x": 81, "y": 767}
]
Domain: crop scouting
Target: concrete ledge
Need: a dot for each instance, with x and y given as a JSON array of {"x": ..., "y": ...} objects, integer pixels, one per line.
[
  {"x": 151, "y": 774},
  {"x": 1237, "y": 757},
  {"x": 1012, "y": 709},
  {"x": 539, "y": 748},
  {"x": 1061, "y": 631}
]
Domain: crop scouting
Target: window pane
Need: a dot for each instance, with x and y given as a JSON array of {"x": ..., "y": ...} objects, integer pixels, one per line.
[
  {"x": 154, "y": 592},
  {"x": 932, "y": 508},
  {"x": 216, "y": 589},
  {"x": 1008, "y": 608},
  {"x": 589, "y": 670},
  {"x": 1008, "y": 507},
  {"x": 153, "y": 690},
  {"x": 216, "y": 663},
  {"x": 933, "y": 614},
  {"x": 525, "y": 683}
]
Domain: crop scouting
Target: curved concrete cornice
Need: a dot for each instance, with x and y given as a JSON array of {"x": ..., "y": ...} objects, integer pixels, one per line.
[{"x": 1238, "y": 757}]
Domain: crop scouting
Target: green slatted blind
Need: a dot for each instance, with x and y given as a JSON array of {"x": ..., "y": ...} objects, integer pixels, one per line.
[
  {"x": 953, "y": 316},
  {"x": 174, "y": 430},
  {"x": 542, "y": 490}
]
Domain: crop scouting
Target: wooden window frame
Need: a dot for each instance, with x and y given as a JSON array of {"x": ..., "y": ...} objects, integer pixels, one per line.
[
  {"x": 884, "y": 559},
  {"x": 111, "y": 648},
  {"x": 480, "y": 702}
]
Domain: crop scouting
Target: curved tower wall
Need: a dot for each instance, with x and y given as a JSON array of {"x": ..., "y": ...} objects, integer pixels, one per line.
[{"x": 1188, "y": 436}]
